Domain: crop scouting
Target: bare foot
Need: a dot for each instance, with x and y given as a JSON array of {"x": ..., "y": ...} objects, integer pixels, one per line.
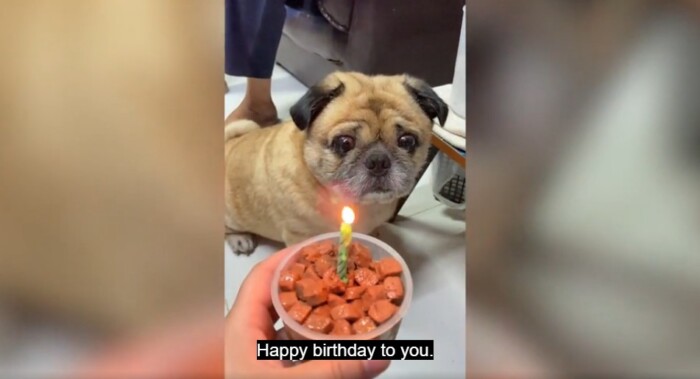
[{"x": 262, "y": 114}]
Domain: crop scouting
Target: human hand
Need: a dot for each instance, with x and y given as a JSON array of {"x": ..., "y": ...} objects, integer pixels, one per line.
[{"x": 252, "y": 318}]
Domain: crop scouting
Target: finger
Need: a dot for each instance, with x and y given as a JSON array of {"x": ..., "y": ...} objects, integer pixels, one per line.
[
  {"x": 253, "y": 305},
  {"x": 337, "y": 369}
]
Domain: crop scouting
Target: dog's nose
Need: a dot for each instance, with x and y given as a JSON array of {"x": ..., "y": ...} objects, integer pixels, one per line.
[{"x": 378, "y": 164}]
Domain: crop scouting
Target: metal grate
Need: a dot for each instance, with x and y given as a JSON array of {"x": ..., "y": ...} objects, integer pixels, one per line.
[{"x": 453, "y": 190}]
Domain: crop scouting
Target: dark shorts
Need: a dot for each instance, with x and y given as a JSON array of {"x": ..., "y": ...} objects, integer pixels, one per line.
[{"x": 253, "y": 32}]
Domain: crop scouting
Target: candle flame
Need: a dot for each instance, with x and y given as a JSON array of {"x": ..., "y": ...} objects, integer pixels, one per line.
[{"x": 348, "y": 215}]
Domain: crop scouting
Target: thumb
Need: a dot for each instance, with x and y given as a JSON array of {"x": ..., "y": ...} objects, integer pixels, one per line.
[{"x": 338, "y": 369}]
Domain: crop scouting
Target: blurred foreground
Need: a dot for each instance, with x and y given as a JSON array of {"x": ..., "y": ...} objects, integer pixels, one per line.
[
  {"x": 111, "y": 166},
  {"x": 584, "y": 188}
]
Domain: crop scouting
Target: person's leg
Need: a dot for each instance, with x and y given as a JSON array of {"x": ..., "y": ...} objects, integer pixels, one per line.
[
  {"x": 257, "y": 105},
  {"x": 253, "y": 32}
]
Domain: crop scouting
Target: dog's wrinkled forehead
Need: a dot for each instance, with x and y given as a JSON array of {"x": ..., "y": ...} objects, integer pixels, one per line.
[{"x": 345, "y": 96}]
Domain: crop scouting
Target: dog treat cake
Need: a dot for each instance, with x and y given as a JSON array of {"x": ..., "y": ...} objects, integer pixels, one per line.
[{"x": 313, "y": 295}]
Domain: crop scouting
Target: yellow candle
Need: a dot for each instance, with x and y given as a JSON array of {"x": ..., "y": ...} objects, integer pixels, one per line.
[
  {"x": 346, "y": 226},
  {"x": 345, "y": 237}
]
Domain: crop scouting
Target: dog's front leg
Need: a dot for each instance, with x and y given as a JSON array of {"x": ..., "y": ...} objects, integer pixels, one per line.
[
  {"x": 292, "y": 237},
  {"x": 240, "y": 242}
]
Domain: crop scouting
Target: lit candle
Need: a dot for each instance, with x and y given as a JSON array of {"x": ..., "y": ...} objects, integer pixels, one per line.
[{"x": 345, "y": 237}]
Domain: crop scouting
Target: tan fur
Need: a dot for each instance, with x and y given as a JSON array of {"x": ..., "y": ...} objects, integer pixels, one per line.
[
  {"x": 271, "y": 190},
  {"x": 239, "y": 128}
]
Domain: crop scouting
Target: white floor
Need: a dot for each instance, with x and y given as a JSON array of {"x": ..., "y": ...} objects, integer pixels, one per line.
[{"x": 430, "y": 236}]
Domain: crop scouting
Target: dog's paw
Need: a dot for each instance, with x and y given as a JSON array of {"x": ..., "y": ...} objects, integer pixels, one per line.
[{"x": 241, "y": 243}]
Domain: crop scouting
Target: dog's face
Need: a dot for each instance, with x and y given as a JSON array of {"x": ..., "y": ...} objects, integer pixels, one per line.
[{"x": 368, "y": 136}]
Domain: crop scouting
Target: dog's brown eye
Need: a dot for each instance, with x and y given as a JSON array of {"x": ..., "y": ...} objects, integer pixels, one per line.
[
  {"x": 408, "y": 142},
  {"x": 343, "y": 144}
]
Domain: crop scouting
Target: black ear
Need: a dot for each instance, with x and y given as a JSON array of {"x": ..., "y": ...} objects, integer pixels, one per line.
[
  {"x": 427, "y": 99},
  {"x": 305, "y": 111}
]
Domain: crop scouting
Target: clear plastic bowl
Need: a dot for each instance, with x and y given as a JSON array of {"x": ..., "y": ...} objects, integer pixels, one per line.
[{"x": 386, "y": 331}]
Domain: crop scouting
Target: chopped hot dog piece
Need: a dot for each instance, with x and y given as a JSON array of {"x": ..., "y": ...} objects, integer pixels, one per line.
[
  {"x": 363, "y": 325},
  {"x": 313, "y": 252},
  {"x": 352, "y": 293},
  {"x": 323, "y": 264},
  {"x": 303, "y": 260},
  {"x": 360, "y": 306},
  {"x": 287, "y": 280},
  {"x": 298, "y": 270},
  {"x": 310, "y": 273},
  {"x": 288, "y": 299},
  {"x": 311, "y": 291},
  {"x": 373, "y": 294},
  {"x": 388, "y": 266},
  {"x": 341, "y": 328},
  {"x": 310, "y": 253},
  {"x": 321, "y": 324},
  {"x": 360, "y": 255},
  {"x": 333, "y": 282},
  {"x": 326, "y": 248},
  {"x": 346, "y": 312},
  {"x": 381, "y": 310},
  {"x": 393, "y": 288},
  {"x": 335, "y": 300},
  {"x": 299, "y": 311},
  {"x": 323, "y": 310},
  {"x": 366, "y": 277},
  {"x": 351, "y": 277}
]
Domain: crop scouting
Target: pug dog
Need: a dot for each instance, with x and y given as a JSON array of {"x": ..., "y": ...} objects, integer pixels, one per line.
[{"x": 354, "y": 140}]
